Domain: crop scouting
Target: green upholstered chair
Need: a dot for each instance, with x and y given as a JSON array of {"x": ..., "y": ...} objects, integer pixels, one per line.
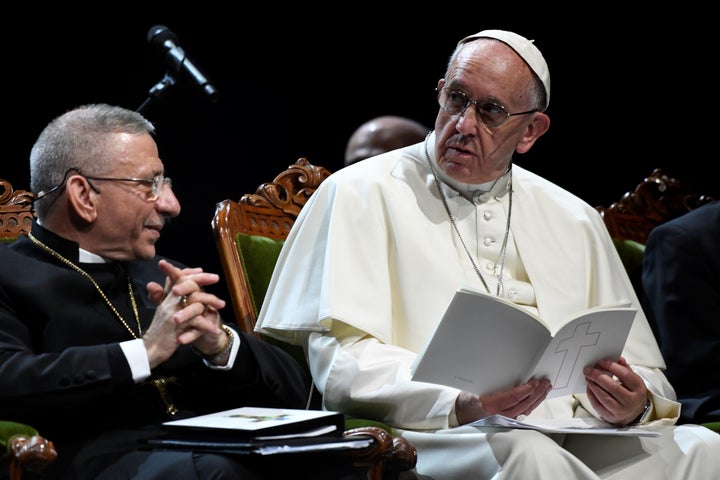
[
  {"x": 249, "y": 235},
  {"x": 714, "y": 426},
  {"x": 631, "y": 254},
  {"x": 657, "y": 199},
  {"x": 22, "y": 449}
]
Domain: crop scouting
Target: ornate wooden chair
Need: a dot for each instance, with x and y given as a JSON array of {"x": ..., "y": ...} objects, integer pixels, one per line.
[
  {"x": 259, "y": 223},
  {"x": 655, "y": 200},
  {"x": 249, "y": 234},
  {"x": 22, "y": 449}
]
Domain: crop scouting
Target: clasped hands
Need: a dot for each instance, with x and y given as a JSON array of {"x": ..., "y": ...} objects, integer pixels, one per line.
[
  {"x": 198, "y": 322},
  {"x": 615, "y": 391}
]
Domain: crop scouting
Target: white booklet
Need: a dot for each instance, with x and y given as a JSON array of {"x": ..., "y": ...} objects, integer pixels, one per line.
[
  {"x": 266, "y": 422},
  {"x": 484, "y": 344}
]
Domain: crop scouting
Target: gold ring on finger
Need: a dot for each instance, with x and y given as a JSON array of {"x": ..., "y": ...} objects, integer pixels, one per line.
[{"x": 183, "y": 301}]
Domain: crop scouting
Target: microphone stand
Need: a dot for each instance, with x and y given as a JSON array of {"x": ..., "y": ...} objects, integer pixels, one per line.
[{"x": 157, "y": 91}]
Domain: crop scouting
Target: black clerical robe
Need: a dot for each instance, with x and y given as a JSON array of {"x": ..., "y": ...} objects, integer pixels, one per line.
[{"x": 61, "y": 366}]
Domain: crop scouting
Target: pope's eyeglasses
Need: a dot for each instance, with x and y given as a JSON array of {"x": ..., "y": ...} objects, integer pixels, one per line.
[{"x": 491, "y": 114}]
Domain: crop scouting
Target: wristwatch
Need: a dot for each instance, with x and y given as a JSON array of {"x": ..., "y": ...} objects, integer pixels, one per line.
[{"x": 644, "y": 414}]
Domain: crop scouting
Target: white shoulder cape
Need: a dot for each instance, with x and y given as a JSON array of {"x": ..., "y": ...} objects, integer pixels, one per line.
[{"x": 373, "y": 248}]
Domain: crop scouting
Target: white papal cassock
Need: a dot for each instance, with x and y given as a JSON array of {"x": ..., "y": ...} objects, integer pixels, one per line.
[{"x": 373, "y": 261}]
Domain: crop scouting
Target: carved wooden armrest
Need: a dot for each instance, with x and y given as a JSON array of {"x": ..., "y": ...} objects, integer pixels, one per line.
[
  {"x": 391, "y": 454},
  {"x": 30, "y": 454}
]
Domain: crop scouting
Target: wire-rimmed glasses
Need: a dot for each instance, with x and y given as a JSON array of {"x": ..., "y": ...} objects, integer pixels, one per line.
[
  {"x": 157, "y": 182},
  {"x": 455, "y": 102}
]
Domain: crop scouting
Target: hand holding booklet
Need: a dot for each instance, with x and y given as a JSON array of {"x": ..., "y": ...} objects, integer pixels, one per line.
[{"x": 484, "y": 344}]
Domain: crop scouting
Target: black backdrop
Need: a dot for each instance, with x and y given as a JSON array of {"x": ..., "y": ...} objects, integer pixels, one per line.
[{"x": 626, "y": 94}]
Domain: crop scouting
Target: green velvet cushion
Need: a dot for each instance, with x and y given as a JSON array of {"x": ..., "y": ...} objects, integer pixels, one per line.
[
  {"x": 10, "y": 429},
  {"x": 714, "y": 426},
  {"x": 258, "y": 255},
  {"x": 631, "y": 254},
  {"x": 351, "y": 423}
]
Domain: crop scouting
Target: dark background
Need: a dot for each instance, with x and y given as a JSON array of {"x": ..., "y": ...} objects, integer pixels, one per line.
[{"x": 628, "y": 95}]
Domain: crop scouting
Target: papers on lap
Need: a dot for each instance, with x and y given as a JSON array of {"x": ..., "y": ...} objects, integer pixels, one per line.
[
  {"x": 566, "y": 425},
  {"x": 484, "y": 344}
]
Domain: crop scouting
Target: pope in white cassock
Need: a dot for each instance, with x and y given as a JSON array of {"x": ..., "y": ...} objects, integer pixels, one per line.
[{"x": 381, "y": 247}]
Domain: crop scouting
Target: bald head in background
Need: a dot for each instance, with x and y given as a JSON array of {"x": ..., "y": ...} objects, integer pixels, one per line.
[{"x": 382, "y": 134}]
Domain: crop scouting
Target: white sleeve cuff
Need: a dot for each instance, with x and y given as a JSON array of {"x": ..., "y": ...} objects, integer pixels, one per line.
[{"x": 137, "y": 358}]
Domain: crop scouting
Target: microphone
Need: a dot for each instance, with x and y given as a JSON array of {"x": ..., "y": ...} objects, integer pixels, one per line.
[{"x": 162, "y": 37}]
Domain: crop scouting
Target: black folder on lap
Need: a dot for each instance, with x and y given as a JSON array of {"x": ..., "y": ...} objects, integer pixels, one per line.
[{"x": 201, "y": 442}]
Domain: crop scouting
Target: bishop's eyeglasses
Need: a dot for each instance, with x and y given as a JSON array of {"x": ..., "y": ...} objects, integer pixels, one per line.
[
  {"x": 157, "y": 182},
  {"x": 455, "y": 102}
]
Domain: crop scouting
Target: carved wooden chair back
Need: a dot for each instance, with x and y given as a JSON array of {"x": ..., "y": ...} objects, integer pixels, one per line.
[
  {"x": 655, "y": 200},
  {"x": 16, "y": 213},
  {"x": 268, "y": 213}
]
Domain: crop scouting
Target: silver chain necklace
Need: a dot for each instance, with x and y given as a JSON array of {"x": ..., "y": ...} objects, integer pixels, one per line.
[{"x": 503, "y": 249}]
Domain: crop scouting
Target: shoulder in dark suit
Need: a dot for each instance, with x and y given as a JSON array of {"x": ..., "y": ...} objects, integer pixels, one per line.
[{"x": 681, "y": 297}]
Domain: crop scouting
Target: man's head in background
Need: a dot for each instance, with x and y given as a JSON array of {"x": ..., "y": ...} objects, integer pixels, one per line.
[{"x": 382, "y": 134}]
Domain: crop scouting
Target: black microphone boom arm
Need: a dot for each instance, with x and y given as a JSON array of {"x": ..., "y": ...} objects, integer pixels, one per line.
[{"x": 178, "y": 64}]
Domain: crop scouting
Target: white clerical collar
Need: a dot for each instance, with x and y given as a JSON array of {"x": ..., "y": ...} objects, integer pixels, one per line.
[
  {"x": 474, "y": 192},
  {"x": 88, "y": 257}
]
